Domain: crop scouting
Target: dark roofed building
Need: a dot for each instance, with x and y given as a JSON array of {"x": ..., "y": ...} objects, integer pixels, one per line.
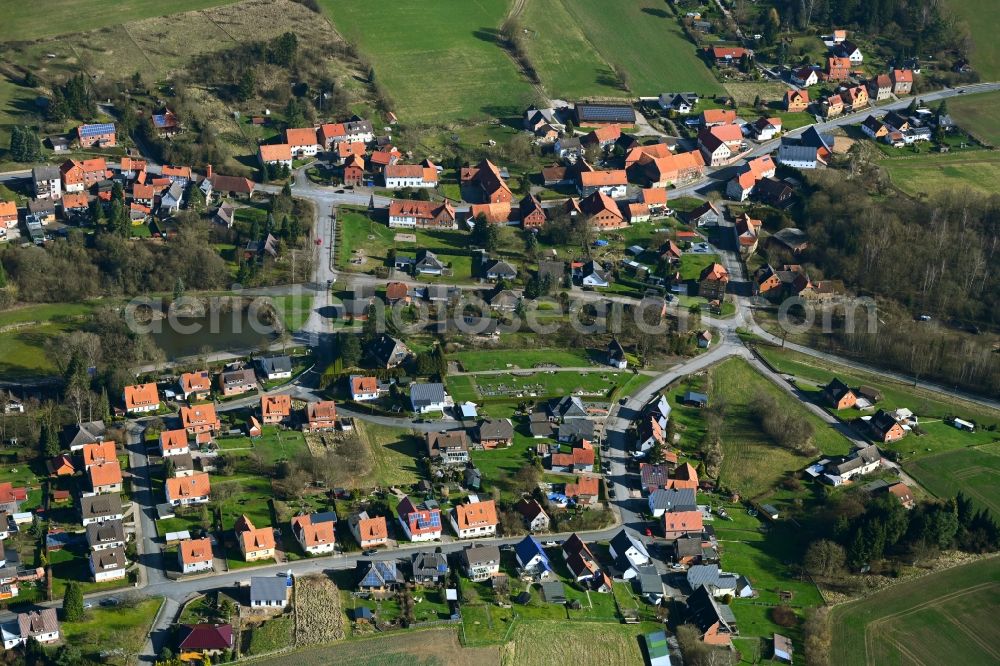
[{"x": 592, "y": 115}]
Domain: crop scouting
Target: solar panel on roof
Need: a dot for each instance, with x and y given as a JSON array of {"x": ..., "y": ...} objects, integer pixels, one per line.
[
  {"x": 607, "y": 113},
  {"x": 100, "y": 128}
]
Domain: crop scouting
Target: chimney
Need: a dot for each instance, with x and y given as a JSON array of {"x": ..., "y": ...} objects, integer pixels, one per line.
[{"x": 208, "y": 172}]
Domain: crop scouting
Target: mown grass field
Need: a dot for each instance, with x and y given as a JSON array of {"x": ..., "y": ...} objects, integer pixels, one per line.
[
  {"x": 439, "y": 61},
  {"x": 548, "y": 643},
  {"x": 974, "y": 472},
  {"x": 474, "y": 361},
  {"x": 57, "y": 17},
  {"x": 984, "y": 22},
  {"x": 752, "y": 463},
  {"x": 931, "y": 408},
  {"x": 943, "y": 618},
  {"x": 932, "y": 173},
  {"x": 645, "y": 39},
  {"x": 124, "y": 628},
  {"x": 977, "y": 114}
]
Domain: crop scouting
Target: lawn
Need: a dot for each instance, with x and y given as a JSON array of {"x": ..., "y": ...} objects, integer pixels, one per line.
[
  {"x": 26, "y": 331},
  {"x": 975, "y": 472},
  {"x": 377, "y": 455},
  {"x": 645, "y": 39},
  {"x": 439, "y": 61},
  {"x": 73, "y": 563},
  {"x": 931, "y": 408},
  {"x": 294, "y": 310},
  {"x": 551, "y": 383},
  {"x": 753, "y": 464},
  {"x": 543, "y": 642},
  {"x": 984, "y": 22},
  {"x": 932, "y": 173},
  {"x": 475, "y": 361},
  {"x": 272, "y": 635},
  {"x": 462, "y": 388},
  {"x": 57, "y": 17},
  {"x": 122, "y": 628},
  {"x": 565, "y": 59},
  {"x": 943, "y": 618},
  {"x": 977, "y": 115},
  {"x": 693, "y": 264}
]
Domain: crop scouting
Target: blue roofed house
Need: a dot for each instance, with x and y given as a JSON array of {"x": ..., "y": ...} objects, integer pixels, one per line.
[
  {"x": 531, "y": 559},
  {"x": 379, "y": 577},
  {"x": 101, "y": 135}
]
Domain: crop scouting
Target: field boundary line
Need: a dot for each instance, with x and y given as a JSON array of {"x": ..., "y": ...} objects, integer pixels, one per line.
[
  {"x": 971, "y": 635},
  {"x": 136, "y": 45}
]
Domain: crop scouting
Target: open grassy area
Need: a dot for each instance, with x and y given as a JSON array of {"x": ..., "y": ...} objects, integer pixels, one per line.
[
  {"x": 931, "y": 408},
  {"x": 984, "y": 22},
  {"x": 977, "y": 115},
  {"x": 942, "y": 618},
  {"x": 439, "y": 61},
  {"x": 934, "y": 172},
  {"x": 120, "y": 627},
  {"x": 550, "y": 384},
  {"x": 752, "y": 463},
  {"x": 57, "y": 17},
  {"x": 474, "y": 361},
  {"x": 693, "y": 264},
  {"x": 974, "y": 472},
  {"x": 551, "y": 643},
  {"x": 646, "y": 40},
  {"x": 25, "y": 331}
]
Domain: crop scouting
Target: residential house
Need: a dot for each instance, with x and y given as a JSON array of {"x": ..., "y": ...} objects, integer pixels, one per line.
[
  {"x": 679, "y": 523},
  {"x": 105, "y": 477},
  {"x": 321, "y": 415},
  {"x": 184, "y": 490},
  {"x": 354, "y": 171},
  {"x": 720, "y": 143},
  {"x": 805, "y": 76},
  {"x": 380, "y": 159},
  {"x": 765, "y": 129},
  {"x": 237, "y": 382},
  {"x": 685, "y": 476},
  {"x": 715, "y": 621},
  {"x": 902, "y": 81},
  {"x": 629, "y": 553},
  {"x": 411, "y": 175},
  {"x": 448, "y": 448},
  {"x": 231, "y": 186},
  {"x": 875, "y": 128},
  {"x": 580, "y": 459},
  {"x": 583, "y": 565},
  {"x": 585, "y": 491},
  {"x": 534, "y": 515},
  {"x": 275, "y": 367},
  {"x": 531, "y": 559},
  {"x": 838, "y": 395},
  {"x": 379, "y": 577},
  {"x": 486, "y": 176},
  {"x": 425, "y": 398},
  {"x": 576, "y": 430},
  {"x": 8, "y": 215},
  {"x": 859, "y": 462},
  {"x": 747, "y": 231},
  {"x": 98, "y": 453},
  {"x": 903, "y": 493},
  {"x": 270, "y": 591},
  {"x": 368, "y": 531},
  {"x": 279, "y": 154},
  {"x": 499, "y": 270},
  {"x": 408, "y": 214},
  {"x": 356, "y": 130},
  {"x": 657, "y": 150},
  {"x": 172, "y": 198},
  {"x": 610, "y": 183},
  {"x": 727, "y": 55},
  {"x": 599, "y": 115},
  {"x": 275, "y": 408},
  {"x": 302, "y": 141},
  {"x": 102, "y": 536},
  {"x": 833, "y": 106},
  {"x": 194, "y": 555},
  {"x": 196, "y": 385},
  {"x": 481, "y": 562},
  {"x": 616, "y": 355},
  {"x": 200, "y": 419},
  {"x": 856, "y": 97},
  {"x": 683, "y": 102},
  {"x": 531, "y": 212},
  {"x": 796, "y": 100},
  {"x": 429, "y": 568},
  {"x": 142, "y": 398},
  {"x": 717, "y": 117},
  {"x": 603, "y": 136},
  {"x": 206, "y": 640},
  {"x": 255, "y": 543},
  {"x": 602, "y": 212},
  {"x": 315, "y": 532},
  {"x": 419, "y": 523},
  {"x": 100, "y": 508},
  {"x": 672, "y": 500},
  {"x": 41, "y": 626},
  {"x": 47, "y": 182},
  {"x": 649, "y": 584},
  {"x": 61, "y": 465},
  {"x": 175, "y": 174},
  {"x": 848, "y": 49},
  {"x": 838, "y": 69},
  {"x": 653, "y": 477},
  {"x": 494, "y": 433},
  {"x": 475, "y": 519},
  {"x": 885, "y": 428},
  {"x": 719, "y": 583},
  {"x": 880, "y": 87},
  {"x": 740, "y": 187},
  {"x": 704, "y": 215},
  {"x": 568, "y": 147},
  {"x": 773, "y": 192},
  {"x": 108, "y": 564},
  {"x": 363, "y": 388},
  {"x": 713, "y": 282},
  {"x": 101, "y": 135},
  {"x": 387, "y": 352}
]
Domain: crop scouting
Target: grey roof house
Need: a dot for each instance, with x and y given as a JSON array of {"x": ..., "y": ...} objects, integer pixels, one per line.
[{"x": 427, "y": 398}]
